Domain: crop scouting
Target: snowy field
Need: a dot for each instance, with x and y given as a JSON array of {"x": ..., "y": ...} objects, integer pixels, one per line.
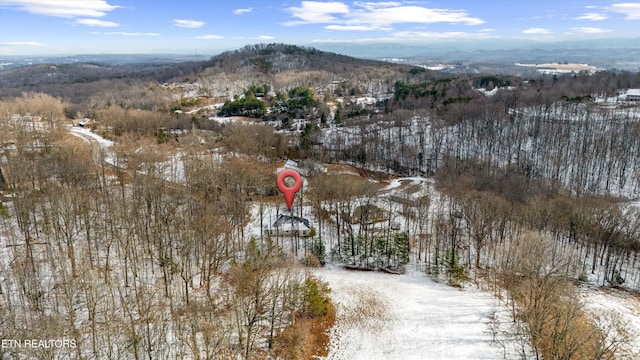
[{"x": 383, "y": 316}]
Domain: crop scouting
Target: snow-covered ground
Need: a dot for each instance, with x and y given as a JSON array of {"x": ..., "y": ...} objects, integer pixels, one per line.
[
  {"x": 618, "y": 312},
  {"x": 383, "y": 316}
]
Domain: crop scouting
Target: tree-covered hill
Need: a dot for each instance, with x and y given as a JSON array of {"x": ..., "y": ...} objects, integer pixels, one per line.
[{"x": 277, "y": 58}]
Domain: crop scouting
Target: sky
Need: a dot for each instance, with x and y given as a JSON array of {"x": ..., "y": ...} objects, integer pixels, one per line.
[{"x": 207, "y": 27}]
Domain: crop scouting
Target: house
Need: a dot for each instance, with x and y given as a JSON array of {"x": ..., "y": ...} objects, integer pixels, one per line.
[
  {"x": 290, "y": 225},
  {"x": 632, "y": 95},
  {"x": 86, "y": 122}
]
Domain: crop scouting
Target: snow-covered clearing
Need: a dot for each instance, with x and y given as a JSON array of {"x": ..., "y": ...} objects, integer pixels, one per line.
[
  {"x": 619, "y": 313},
  {"x": 383, "y": 316}
]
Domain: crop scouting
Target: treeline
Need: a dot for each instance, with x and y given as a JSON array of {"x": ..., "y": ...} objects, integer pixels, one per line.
[
  {"x": 297, "y": 102},
  {"x": 605, "y": 232},
  {"x": 426, "y": 91}
]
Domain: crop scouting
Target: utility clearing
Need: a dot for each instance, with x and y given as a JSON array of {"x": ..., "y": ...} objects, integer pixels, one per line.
[{"x": 409, "y": 316}]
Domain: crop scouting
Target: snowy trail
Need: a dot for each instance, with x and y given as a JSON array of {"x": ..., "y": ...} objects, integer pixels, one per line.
[
  {"x": 383, "y": 316},
  {"x": 100, "y": 146}
]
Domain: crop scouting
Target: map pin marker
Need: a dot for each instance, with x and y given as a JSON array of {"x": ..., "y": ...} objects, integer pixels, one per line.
[{"x": 289, "y": 192}]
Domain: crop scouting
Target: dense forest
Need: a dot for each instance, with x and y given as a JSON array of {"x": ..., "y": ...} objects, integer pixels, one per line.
[{"x": 143, "y": 248}]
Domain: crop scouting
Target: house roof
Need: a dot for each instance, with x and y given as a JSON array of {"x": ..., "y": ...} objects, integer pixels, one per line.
[
  {"x": 288, "y": 220},
  {"x": 303, "y": 168},
  {"x": 291, "y": 164}
]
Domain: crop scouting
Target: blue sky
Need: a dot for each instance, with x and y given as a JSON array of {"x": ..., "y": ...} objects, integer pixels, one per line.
[{"x": 48, "y": 27}]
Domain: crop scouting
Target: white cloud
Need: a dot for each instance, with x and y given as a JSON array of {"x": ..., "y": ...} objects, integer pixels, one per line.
[
  {"x": 374, "y": 16},
  {"x": 242, "y": 11},
  {"x": 593, "y": 17},
  {"x": 261, "y": 37},
  {"x": 209, "y": 37},
  {"x": 21, "y": 43},
  {"x": 123, "y": 33},
  {"x": 314, "y": 12},
  {"x": 191, "y": 24},
  {"x": 63, "y": 8},
  {"x": 376, "y": 5},
  {"x": 411, "y": 14},
  {"x": 632, "y": 10},
  {"x": 410, "y": 36},
  {"x": 96, "y": 22},
  {"x": 590, "y": 30},
  {"x": 356, "y": 27},
  {"x": 536, "y": 31}
]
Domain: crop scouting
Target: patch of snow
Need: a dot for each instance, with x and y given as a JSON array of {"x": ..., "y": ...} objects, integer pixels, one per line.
[
  {"x": 493, "y": 91},
  {"x": 225, "y": 120},
  {"x": 208, "y": 107},
  {"x": 488, "y": 92},
  {"x": 173, "y": 169}
]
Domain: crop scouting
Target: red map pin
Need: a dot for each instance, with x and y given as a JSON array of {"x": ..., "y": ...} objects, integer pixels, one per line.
[{"x": 289, "y": 192}]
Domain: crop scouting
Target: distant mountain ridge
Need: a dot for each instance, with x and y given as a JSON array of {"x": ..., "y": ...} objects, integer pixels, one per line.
[{"x": 277, "y": 58}]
